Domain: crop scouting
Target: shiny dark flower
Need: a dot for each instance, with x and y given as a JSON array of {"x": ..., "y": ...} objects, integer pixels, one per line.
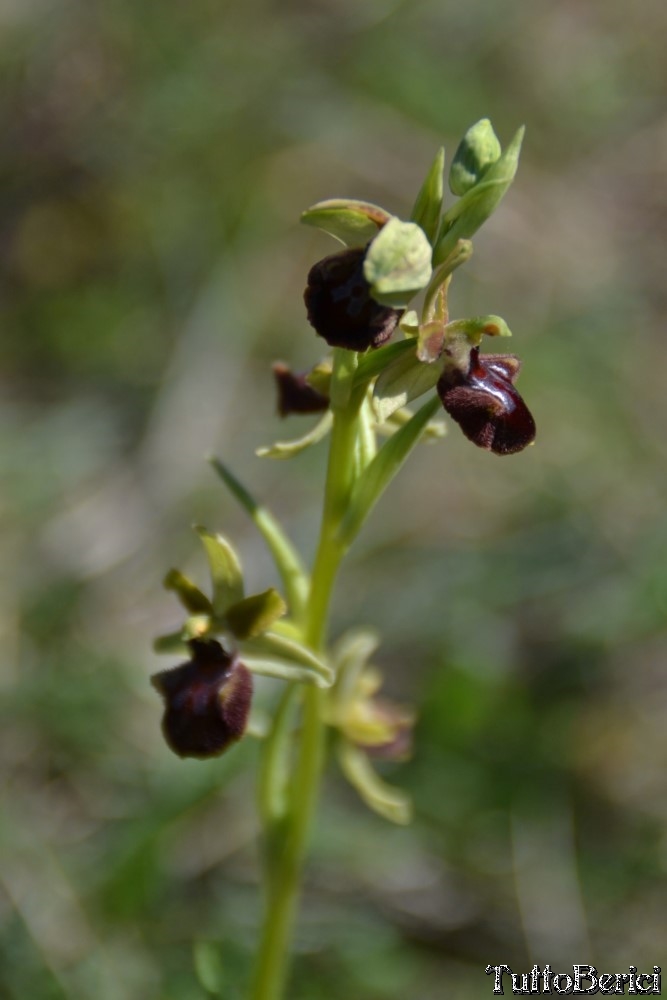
[
  {"x": 340, "y": 306},
  {"x": 207, "y": 701},
  {"x": 295, "y": 394},
  {"x": 485, "y": 404}
]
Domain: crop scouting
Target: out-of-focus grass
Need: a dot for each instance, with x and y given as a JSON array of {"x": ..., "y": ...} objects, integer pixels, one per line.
[{"x": 154, "y": 161}]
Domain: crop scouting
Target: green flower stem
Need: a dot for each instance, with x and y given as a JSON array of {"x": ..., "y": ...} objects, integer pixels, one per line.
[{"x": 287, "y": 837}]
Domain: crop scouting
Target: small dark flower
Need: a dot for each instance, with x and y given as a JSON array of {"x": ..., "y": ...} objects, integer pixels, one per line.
[
  {"x": 295, "y": 394},
  {"x": 485, "y": 404},
  {"x": 340, "y": 305},
  {"x": 207, "y": 701}
]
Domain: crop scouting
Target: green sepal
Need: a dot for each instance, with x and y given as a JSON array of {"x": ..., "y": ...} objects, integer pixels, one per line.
[
  {"x": 288, "y": 563},
  {"x": 254, "y": 615},
  {"x": 466, "y": 216},
  {"x": 404, "y": 379},
  {"x": 428, "y": 206},
  {"x": 188, "y": 593},
  {"x": 478, "y": 149},
  {"x": 287, "y": 449},
  {"x": 370, "y": 486},
  {"x": 279, "y": 647},
  {"x": 354, "y": 223},
  {"x": 392, "y": 803},
  {"x": 397, "y": 264},
  {"x": 225, "y": 569}
]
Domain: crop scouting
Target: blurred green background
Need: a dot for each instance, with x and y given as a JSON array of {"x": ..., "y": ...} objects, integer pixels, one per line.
[{"x": 154, "y": 159}]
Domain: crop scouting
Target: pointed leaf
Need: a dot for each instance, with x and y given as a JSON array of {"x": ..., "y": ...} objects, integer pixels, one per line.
[
  {"x": 225, "y": 568},
  {"x": 478, "y": 149},
  {"x": 427, "y": 208},
  {"x": 370, "y": 486},
  {"x": 392, "y": 803},
  {"x": 287, "y": 561},
  {"x": 276, "y": 646},
  {"x": 354, "y": 223},
  {"x": 406, "y": 378},
  {"x": 287, "y": 449},
  {"x": 254, "y": 615},
  {"x": 398, "y": 263},
  {"x": 189, "y": 594},
  {"x": 466, "y": 216}
]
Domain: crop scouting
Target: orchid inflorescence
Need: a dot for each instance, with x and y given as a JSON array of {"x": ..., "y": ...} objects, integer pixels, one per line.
[{"x": 385, "y": 354}]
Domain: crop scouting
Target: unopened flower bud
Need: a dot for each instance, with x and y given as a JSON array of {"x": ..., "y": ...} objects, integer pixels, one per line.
[
  {"x": 207, "y": 701},
  {"x": 340, "y": 306},
  {"x": 485, "y": 404},
  {"x": 295, "y": 394}
]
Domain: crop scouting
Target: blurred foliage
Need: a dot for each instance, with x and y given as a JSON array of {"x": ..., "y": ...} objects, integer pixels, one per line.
[{"x": 154, "y": 161}]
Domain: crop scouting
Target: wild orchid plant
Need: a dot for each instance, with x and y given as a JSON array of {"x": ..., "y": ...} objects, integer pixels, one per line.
[{"x": 356, "y": 299}]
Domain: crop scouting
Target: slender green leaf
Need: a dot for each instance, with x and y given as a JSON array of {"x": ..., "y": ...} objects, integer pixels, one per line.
[
  {"x": 287, "y": 561},
  {"x": 427, "y": 207},
  {"x": 287, "y": 449},
  {"x": 190, "y": 596},
  {"x": 370, "y": 486},
  {"x": 254, "y": 615},
  {"x": 226, "y": 574},
  {"x": 392, "y": 803}
]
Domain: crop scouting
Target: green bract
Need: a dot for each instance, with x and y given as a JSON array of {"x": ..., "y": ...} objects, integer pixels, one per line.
[
  {"x": 398, "y": 263},
  {"x": 479, "y": 202},
  {"x": 428, "y": 206}
]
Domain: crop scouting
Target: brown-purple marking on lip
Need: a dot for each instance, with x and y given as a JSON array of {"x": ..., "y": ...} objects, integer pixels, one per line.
[
  {"x": 207, "y": 701},
  {"x": 295, "y": 394},
  {"x": 485, "y": 404},
  {"x": 340, "y": 306}
]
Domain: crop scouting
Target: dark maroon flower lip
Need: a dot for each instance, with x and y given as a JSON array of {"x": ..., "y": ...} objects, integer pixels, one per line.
[
  {"x": 295, "y": 394},
  {"x": 485, "y": 404},
  {"x": 207, "y": 701},
  {"x": 340, "y": 306}
]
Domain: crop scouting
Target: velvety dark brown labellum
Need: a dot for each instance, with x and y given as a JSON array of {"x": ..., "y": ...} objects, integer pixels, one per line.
[
  {"x": 295, "y": 394},
  {"x": 340, "y": 305},
  {"x": 207, "y": 701},
  {"x": 485, "y": 404}
]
